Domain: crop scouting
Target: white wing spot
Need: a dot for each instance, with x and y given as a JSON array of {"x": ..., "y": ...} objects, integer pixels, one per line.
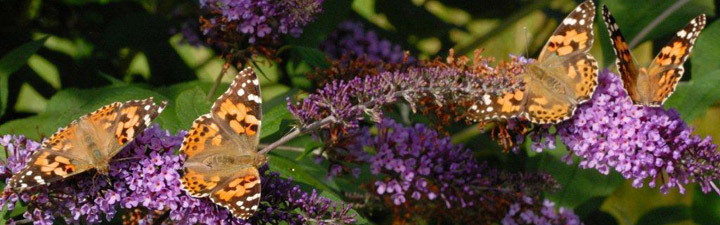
[
  {"x": 241, "y": 92},
  {"x": 569, "y": 21},
  {"x": 39, "y": 180},
  {"x": 490, "y": 109},
  {"x": 486, "y": 99}
]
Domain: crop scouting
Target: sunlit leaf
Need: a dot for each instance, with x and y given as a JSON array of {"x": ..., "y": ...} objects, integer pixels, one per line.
[{"x": 10, "y": 63}]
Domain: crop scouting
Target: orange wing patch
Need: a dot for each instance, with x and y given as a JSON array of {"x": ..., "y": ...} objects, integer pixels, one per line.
[
  {"x": 240, "y": 195},
  {"x": 574, "y": 34},
  {"x": 197, "y": 184},
  {"x": 203, "y": 131},
  {"x": 134, "y": 117}
]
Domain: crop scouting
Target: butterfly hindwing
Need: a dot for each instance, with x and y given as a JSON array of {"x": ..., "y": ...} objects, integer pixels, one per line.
[
  {"x": 205, "y": 139},
  {"x": 498, "y": 105},
  {"x": 46, "y": 166},
  {"x": 241, "y": 194}
]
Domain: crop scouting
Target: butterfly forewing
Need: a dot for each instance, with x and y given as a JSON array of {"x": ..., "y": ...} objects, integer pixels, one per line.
[
  {"x": 667, "y": 68},
  {"x": 565, "y": 74},
  {"x": 239, "y": 108},
  {"x": 71, "y": 150},
  {"x": 220, "y": 149},
  {"x": 625, "y": 61},
  {"x": 574, "y": 33}
]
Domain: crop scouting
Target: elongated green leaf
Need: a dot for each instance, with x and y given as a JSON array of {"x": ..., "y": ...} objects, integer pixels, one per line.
[
  {"x": 312, "y": 56},
  {"x": 289, "y": 168},
  {"x": 693, "y": 98},
  {"x": 68, "y": 105},
  {"x": 578, "y": 185},
  {"x": 10, "y": 63},
  {"x": 705, "y": 208},
  {"x": 665, "y": 215},
  {"x": 190, "y": 105},
  {"x": 273, "y": 120}
]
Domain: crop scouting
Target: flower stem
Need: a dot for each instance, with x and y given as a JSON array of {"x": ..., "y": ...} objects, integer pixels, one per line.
[
  {"x": 224, "y": 70},
  {"x": 297, "y": 132},
  {"x": 644, "y": 32}
]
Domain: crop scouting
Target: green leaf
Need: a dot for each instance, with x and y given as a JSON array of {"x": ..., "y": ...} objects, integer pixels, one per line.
[
  {"x": 578, "y": 185},
  {"x": 289, "y": 168},
  {"x": 69, "y": 104},
  {"x": 190, "y": 105},
  {"x": 693, "y": 98},
  {"x": 665, "y": 215},
  {"x": 273, "y": 120},
  {"x": 10, "y": 63},
  {"x": 705, "y": 208},
  {"x": 312, "y": 56},
  {"x": 634, "y": 16},
  {"x": 3, "y": 221}
]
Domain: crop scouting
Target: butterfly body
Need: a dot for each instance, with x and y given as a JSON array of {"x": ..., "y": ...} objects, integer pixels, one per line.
[
  {"x": 87, "y": 143},
  {"x": 220, "y": 149},
  {"x": 563, "y": 76},
  {"x": 652, "y": 85}
]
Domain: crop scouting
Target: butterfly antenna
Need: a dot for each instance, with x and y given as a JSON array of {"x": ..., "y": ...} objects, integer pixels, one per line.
[{"x": 527, "y": 42}]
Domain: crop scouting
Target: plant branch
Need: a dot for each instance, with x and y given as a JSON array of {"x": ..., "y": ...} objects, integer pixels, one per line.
[
  {"x": 504, "y": 25},
  {"x": 224, "y": 70},
  {"x": 283, "y": 147},
  {"x": 664, "y": 15},
  {"x": 297, "y": 132}
]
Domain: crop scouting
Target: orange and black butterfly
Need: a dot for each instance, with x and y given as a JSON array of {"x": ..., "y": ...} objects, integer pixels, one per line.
[
  {"x": 87, "y": 143},
  {"x": 221, "y": 157},
  {"x": 653, "y": 85},
  {"x": 562, "y": 77}
]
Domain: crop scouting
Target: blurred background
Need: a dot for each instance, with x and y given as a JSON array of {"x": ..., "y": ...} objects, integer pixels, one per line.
[{"x": 63, "y": 58}]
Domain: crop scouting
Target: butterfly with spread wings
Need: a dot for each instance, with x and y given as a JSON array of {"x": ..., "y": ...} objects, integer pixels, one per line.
[
  {"x": 563, "y": 76},
  {"x": 221, "y": 157},
  {"x": 653, "y": 85},
  {"x": 87, "y": 143}
]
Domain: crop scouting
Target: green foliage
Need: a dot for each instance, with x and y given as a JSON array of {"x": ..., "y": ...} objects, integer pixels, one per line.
[
  {"x": 10, "y": 63},
  {"x": 578, "y": 185}
]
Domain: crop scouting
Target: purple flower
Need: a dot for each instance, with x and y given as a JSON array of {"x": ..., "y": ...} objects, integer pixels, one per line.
[
  {"x": 351, "y": 40},
  {"x": 144, "y": 175},
  {"x": 409, "y": 157},
  {"x": 344, "y": 103},
  {"x": 254, "y": 20},
  {"x": 528, "y": 212},
  {"x": 645, "y": 144}
]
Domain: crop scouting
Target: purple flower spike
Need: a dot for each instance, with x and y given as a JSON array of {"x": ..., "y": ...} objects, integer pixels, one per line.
[
  {"x": 645, "y": 144},
  {"x": 143, "y": 176}
]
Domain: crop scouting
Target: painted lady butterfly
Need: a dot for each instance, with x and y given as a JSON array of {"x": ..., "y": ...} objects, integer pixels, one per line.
[
  {"x": 653, "y": 85},
  {"x": 563, "y": 76},
  {"x": 222, "y": 159},
  {"x": 87, "y": 143}
]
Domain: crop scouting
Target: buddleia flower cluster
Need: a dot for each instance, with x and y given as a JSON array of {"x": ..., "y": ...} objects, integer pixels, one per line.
[
  {"x": 255, "y": 21},
  {"x": 143, "y": 186},
  {"x": 645, "y": 144},
  {"x": 417, "y": 172}
]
